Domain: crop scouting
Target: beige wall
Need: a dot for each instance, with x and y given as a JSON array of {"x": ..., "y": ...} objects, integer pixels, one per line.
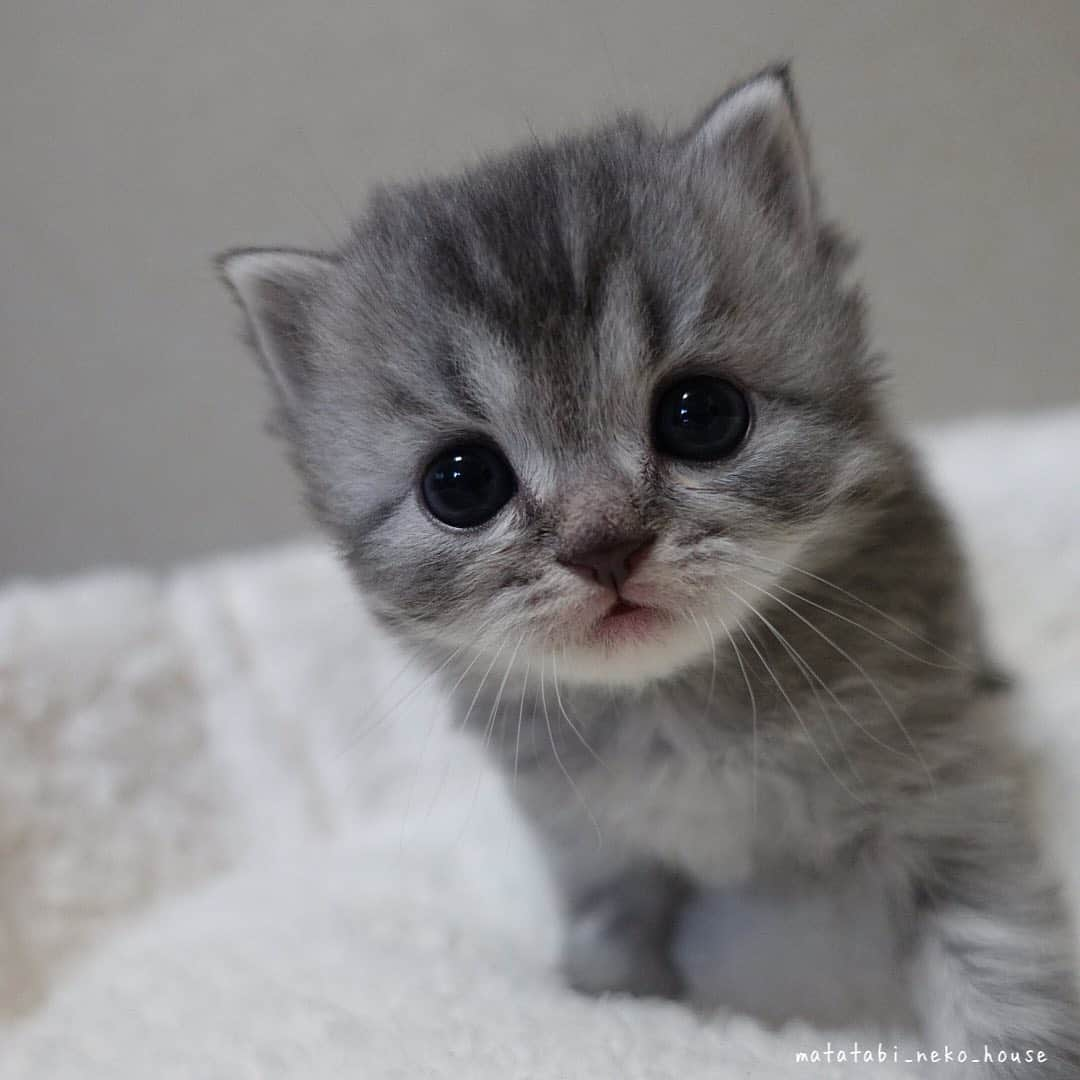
[{"x": 139, "y": 136}]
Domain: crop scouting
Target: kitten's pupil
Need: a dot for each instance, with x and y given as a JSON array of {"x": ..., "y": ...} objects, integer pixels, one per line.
[
  {"x": 702, "y": 418},
  {"x": 466, "y": 486}
]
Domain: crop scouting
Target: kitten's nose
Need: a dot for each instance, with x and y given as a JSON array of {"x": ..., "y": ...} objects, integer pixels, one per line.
[{"x": 609, "y": 562}]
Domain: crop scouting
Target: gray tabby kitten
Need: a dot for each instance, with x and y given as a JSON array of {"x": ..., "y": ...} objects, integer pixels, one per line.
[{"x": 596, "y": 427}]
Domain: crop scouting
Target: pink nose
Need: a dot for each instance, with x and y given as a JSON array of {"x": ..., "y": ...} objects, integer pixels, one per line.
[{"x": 609, "y": 562}]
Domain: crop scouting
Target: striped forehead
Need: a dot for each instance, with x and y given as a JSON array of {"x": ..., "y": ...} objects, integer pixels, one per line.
[{"x": 566, "y": 380}]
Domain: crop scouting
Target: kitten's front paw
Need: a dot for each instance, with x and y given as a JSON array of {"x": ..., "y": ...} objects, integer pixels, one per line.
[{"x": 598, "y": 960}]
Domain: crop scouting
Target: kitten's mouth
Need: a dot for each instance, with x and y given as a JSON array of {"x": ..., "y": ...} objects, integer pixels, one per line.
[{"x": 625, "y": 621}]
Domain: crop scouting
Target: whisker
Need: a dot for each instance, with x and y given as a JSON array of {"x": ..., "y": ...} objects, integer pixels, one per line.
[
  {"x": 858, "y": 667},
  {"x": 405, "y": 697},
  {"x": 428, "y": 730},
  {"x": 488, "y": 732},
  {"x": 566, "y": 717},
  {"x": 798, "y": 715},
  {"x": 806, "y": 668},
  {"x": 806, "y": 671},
  {"x": 854, "y": 598},
  {"x": 532, "y": 714},
  {"x": 480, "y": 689},
  {"x": 464, "y": 721},
  {"x": 499, "y": 693},
  {"x": 753, "y": 712},
  {"x": 712, "y": 644},
  {"x": 521, "y": 715},
  {"x": 872, "y": 633},
  {"x": 388, "y": 686},
  {"x": 558, "y": 760}
]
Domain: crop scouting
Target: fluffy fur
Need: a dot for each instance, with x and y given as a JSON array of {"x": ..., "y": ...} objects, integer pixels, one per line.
[{"x": 810, "y": 706}]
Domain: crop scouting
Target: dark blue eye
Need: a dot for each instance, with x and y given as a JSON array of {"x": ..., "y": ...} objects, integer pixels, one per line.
[
  {"x": 467, "y": 485},
  {"x": 703, "y": 418}
]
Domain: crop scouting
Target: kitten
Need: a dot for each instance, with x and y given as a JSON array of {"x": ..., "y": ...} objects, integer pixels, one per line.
[{"x": 597, "y": 429}]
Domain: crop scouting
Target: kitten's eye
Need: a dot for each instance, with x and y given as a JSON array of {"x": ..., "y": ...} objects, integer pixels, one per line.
[
  {"x": 467, "y": 485},
  {"x": 702, "y": 418}
]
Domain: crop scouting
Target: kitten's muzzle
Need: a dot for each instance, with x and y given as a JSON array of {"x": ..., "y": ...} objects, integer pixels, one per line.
[{"x": 609, "y": 562}]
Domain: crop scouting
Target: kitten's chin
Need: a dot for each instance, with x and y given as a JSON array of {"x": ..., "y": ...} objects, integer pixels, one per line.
[{"x": 632, "y": 647}]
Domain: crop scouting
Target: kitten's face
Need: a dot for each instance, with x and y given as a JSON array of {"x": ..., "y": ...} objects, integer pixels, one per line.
[{"x": 581, "y": 405}]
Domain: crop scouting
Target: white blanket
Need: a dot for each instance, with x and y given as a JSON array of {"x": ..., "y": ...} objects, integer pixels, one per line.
[{"x": 228, "y": 849}]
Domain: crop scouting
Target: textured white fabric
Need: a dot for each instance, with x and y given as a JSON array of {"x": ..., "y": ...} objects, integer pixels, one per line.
[{"x": 238, "y": 839}]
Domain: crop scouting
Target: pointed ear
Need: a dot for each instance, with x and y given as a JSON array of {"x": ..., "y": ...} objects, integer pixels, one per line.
[
  {"x": 755, "y": 126},
  {"x": 275, "y": 287}
]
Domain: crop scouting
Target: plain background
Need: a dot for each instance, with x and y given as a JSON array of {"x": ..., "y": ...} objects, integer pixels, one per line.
[{"x": 138, "y": 137}]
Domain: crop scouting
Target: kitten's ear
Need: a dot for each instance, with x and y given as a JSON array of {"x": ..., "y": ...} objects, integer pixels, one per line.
[
  {"x": 755, "y": 126},
  {"x": 275, "y": 287}
]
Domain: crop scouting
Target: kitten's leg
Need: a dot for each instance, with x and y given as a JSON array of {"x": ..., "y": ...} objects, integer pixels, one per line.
[
  {"x": 620, "y": 931},
  {"x": 620, "y": 908},
  {"x": 996, "y": 965}
]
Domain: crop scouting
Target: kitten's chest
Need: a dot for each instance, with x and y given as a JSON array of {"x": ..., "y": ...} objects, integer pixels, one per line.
[{"x": 724, "y": 811}]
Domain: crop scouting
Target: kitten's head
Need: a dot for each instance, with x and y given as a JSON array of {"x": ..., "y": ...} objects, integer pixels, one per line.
[{"x": 582, "y": 400}]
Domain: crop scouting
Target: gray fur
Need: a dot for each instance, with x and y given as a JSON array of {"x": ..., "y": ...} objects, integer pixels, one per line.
[{"x": 781, "y": 729}]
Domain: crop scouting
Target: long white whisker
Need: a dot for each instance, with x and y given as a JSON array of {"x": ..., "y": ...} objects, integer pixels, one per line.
[
  {"x": 499, "y": 693},
  {"x": 480, "y": 689},
  {"x": 388, "y": 686},
  {"x": 806, "y": 671},
  {"x": 858, "y": 667},
  {"x": 562, "y": 709},
  {"x": 872, "y": 633},
  {"x": 899, "y": 624},
  {"x": 532, "y": 713},
  {"x": 798, "y": 715},
  {"x": 809, "y": 672},
  {"x": 405, "y": 697},
  {"x": 753, "y": 711},
  {"x": 712, "y": 645},
  {"x": 521, "y": 715},
  {"x": 558, "y": 760},
  {"x": 489, "y": 730},
  {"x": 464, "y": 721},
  {"x": 411, "y": 797}
]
